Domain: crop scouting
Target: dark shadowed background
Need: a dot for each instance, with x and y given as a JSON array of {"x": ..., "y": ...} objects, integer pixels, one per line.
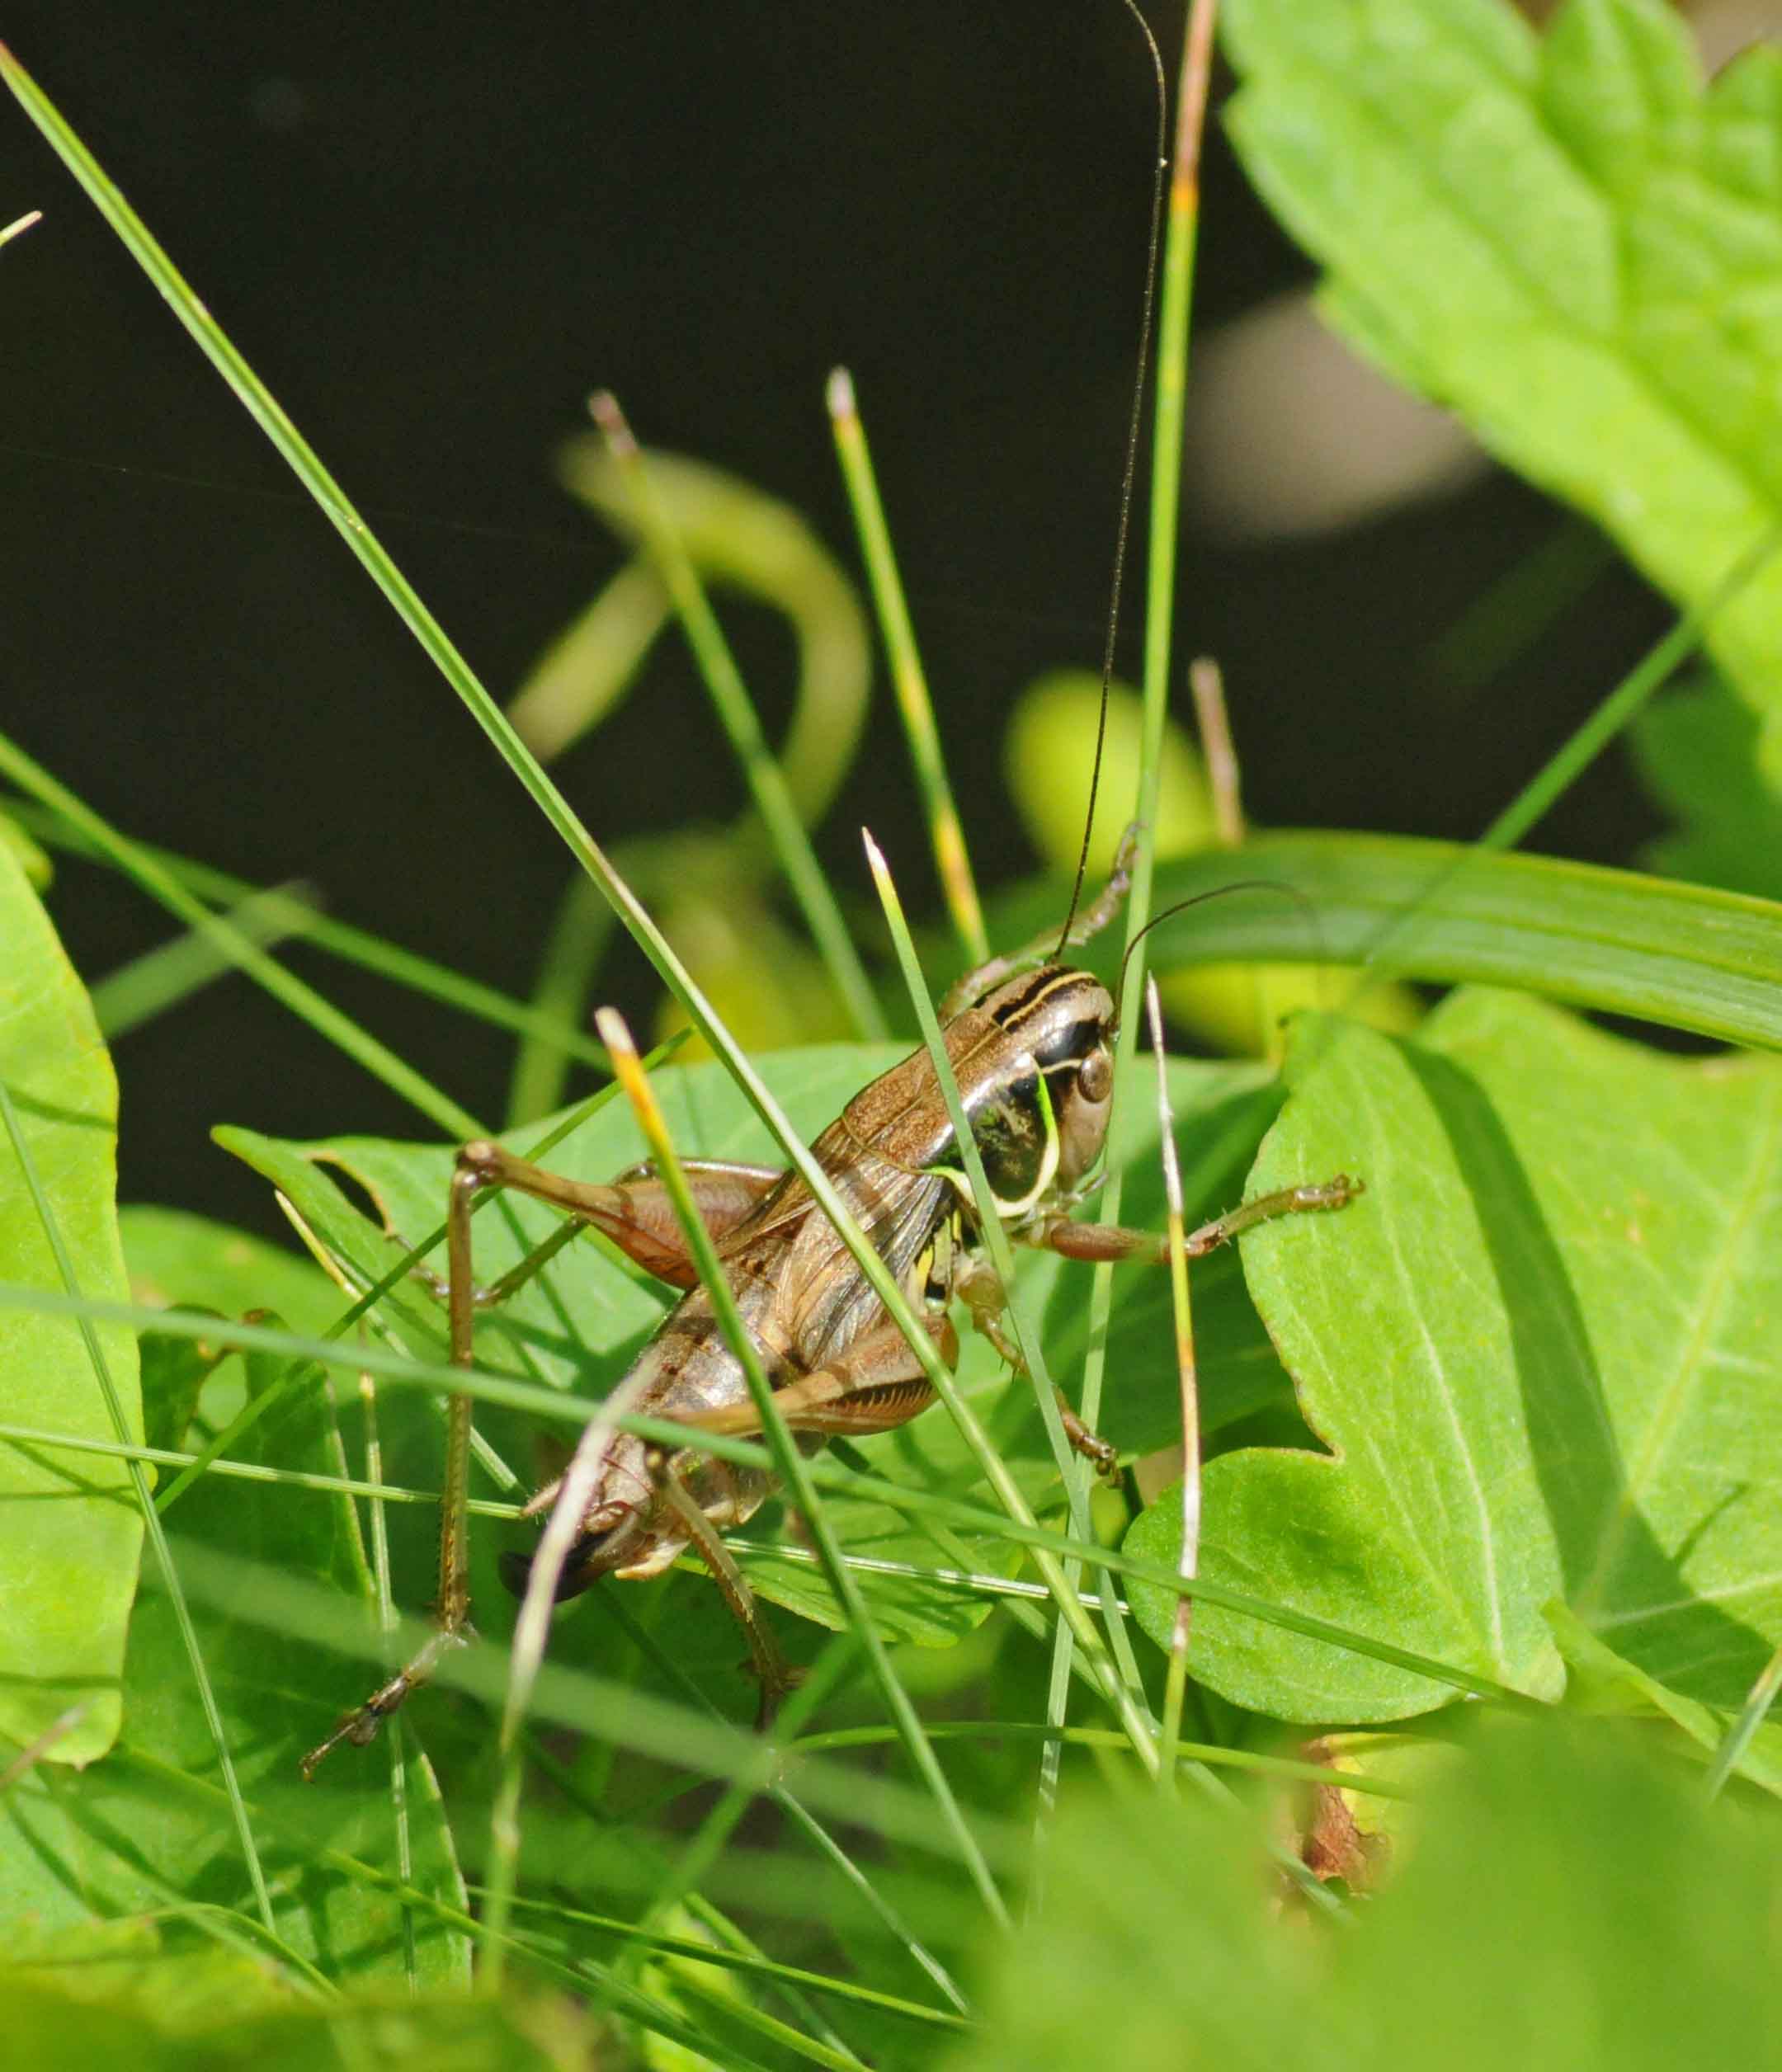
[{"x": 433, "y": 230}]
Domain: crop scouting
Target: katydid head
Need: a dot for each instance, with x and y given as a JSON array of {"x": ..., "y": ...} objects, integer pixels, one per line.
[{"x": 1042, "y": 1121}]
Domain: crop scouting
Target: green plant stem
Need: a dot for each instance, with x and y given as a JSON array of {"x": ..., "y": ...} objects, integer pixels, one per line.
[
  {"x": 1176, "y": 1683},
  {"x": 736, "y": 714},
  {"x": 908, "y": 679}
]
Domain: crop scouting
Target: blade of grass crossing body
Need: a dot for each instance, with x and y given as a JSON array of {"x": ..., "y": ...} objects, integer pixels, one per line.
[
  {"x": 792, "y": 1468},
  {"x": 736, "y": 714},
  {"x": 1064, "y": 1593},
  {"x": 52, "y": 1231},
  {"x": 908, "y": 1498},
  {"x": 1177, "y": 1680},
  {"x": 908, "y": 679},
  {"x": 1174, "y": 313}
]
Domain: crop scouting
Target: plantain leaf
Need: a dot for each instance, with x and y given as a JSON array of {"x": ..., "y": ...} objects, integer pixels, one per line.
[
  {"x": 1566, "y": 240},
  {"x": 70, "y": 1534},
  {"x": 1542, "y": 1349}
]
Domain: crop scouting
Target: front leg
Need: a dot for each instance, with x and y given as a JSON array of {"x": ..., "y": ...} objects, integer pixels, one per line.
[{"x": 1101, "y": 1242}]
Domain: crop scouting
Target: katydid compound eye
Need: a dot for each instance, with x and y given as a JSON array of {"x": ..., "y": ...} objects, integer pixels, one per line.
[{"x": 1095, "y": 1076}]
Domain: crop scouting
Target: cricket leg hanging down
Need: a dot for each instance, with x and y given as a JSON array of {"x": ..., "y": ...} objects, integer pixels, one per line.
[{"x": 635, "y": 1210}]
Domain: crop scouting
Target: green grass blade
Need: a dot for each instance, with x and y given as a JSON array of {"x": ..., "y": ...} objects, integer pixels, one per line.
[
  {"x": 1682, "y": 956},
  {"x": 554, "y": 1034},
  {"x": 736, "y": 714},
  {"x": 794, "y": 1471},
  {"x": 156, "y": 981},
  {"x": 753, "y": 1963},
  {"x": 1576, "y": 754},
  {"x": 908, "y": 680}
]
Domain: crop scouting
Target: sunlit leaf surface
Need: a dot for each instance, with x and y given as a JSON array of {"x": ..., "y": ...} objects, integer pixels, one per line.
[{"x": 1542, "y": 1349}]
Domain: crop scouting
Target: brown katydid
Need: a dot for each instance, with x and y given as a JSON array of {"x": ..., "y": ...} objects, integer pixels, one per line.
[{"x": 1030, "y": 1041}]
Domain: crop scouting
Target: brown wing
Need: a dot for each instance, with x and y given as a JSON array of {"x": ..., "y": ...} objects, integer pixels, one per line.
[{"x": 822, "y": 1302}]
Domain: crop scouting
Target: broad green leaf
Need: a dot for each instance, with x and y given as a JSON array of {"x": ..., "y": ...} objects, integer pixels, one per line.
[
  {"x": 1542, "y": 1351},
  {"x": 70, "y": 1533},
  {"x": 1568, "y": 1906},
  {"x": 584, "y": 1320},
  {"x": 1697, "y": 752},
  {"x": 1565, "y": 239}
]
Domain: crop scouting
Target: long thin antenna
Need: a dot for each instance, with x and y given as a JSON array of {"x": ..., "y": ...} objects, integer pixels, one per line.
[{"x": 1133, "y": 431}]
